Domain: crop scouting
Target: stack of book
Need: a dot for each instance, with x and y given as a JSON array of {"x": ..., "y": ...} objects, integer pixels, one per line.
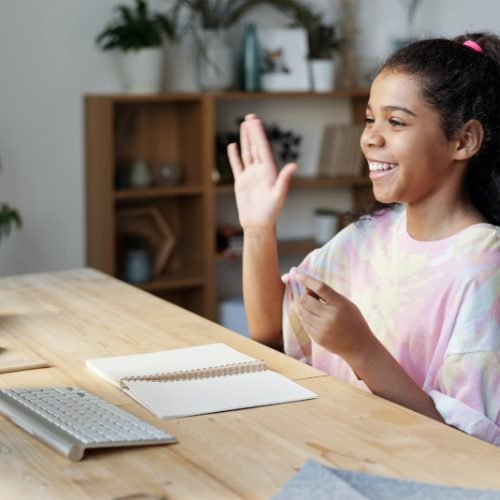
[{"x": 341, "y": 154}]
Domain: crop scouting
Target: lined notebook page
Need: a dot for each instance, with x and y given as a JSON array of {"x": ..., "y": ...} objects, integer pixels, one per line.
[{"x": 196, "y": 397}]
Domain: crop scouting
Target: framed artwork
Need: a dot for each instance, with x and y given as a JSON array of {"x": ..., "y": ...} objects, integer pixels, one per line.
[{"x": 284, "y": 59}]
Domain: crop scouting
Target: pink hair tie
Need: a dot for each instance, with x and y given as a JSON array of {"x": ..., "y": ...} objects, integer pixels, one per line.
[{"x": 474, "y": 46}]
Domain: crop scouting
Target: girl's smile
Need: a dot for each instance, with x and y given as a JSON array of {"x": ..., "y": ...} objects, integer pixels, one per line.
[{"x": 380, "y": 169}]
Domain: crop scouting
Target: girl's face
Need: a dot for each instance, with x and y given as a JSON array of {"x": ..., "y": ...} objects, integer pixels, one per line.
[{"x": 409, "y": 156}]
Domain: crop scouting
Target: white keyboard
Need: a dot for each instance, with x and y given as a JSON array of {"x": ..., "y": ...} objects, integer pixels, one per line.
[{"x": 71, "y": 420}]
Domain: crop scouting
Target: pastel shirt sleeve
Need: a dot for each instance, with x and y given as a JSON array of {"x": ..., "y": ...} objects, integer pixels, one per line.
[
  {"x": 467, "y": 389},
  {"x": 469, "y": 399}
]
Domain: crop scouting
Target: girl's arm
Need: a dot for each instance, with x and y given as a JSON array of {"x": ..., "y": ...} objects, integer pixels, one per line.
[
  {"x": 260, "y": 195},
  {"x": 336, "y": 324}
]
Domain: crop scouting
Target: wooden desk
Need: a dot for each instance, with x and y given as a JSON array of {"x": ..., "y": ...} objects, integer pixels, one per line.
[{"x": 71, "y": 316}]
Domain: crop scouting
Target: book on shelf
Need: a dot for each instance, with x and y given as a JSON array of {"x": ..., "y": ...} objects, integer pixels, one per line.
[
  {"x": 197, "y": 380},
  {"x": 340, "y": 154}
]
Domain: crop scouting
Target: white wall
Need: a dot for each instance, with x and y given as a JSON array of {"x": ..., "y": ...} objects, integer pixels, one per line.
[{"x": 48, "y": 61}]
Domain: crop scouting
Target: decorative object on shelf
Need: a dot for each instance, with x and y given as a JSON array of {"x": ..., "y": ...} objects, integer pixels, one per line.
[
  {"x": 138, "y": 34},
  {"x": 140, "y": 175},
  {"x": 9, "y": 217},
  {"x": 326, "y": 223},
  {"x": 149, "y": 224},
  {"x": 284, "y": 143},
  {"x": 340, "y": 153},
  {"x": 138, "y": 261},
  {"x": 323, "y": 47},
  {"x": 215, "y": 65},
  {"x": 168, "y": 173},
  {"x": 251, "y": 60},
  {"x": 322, "y": 40},
  {"x": 284, "y": 59}
]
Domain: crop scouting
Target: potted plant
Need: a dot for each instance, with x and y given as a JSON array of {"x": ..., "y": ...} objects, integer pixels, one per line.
[
  {"x": 138, "y": 34},
  {"x": 9, "y": 217},
  {"x": 323, "y": 46},
  {"x": 323, "y": 42}
]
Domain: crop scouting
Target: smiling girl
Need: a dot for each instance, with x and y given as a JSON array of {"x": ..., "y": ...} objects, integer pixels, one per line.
[{"x": 406, "y": 301}]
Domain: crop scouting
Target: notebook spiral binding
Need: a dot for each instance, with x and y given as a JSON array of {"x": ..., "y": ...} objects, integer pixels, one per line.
[{"x": 200, "y": 373}]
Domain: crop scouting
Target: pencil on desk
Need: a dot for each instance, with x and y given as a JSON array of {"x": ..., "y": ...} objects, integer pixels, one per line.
[{"x": 19, "y": 365}]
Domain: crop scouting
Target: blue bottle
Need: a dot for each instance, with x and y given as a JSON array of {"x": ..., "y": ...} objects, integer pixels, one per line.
[{"x": 251, "y": 60}]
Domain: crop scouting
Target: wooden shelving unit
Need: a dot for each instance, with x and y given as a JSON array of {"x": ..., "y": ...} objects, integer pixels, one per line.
[{"x": 181, "y": 128}]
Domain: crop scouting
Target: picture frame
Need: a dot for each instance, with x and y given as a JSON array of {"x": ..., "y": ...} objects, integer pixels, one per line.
[{"x": 284, "y": 60}]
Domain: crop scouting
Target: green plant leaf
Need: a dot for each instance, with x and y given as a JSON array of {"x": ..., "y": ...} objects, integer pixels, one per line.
[
  {"x": 138, "y": 27},
  {"x": 9, "y": 217}
]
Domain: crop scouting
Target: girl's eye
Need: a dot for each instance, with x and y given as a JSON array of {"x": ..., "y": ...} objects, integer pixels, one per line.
[
  {"x": 368, "y": 120},
  {"x": 396, "y": 123}
]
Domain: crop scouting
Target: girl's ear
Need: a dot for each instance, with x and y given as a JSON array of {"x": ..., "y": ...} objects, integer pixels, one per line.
[{"x": 469, "y": 140}]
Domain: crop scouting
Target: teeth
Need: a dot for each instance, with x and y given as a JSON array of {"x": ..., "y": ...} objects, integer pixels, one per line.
[{"x": 379, "y": 166}]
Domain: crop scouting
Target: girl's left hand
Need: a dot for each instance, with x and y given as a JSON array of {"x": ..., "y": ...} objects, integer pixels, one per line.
[{"x": 333, "y": 321}]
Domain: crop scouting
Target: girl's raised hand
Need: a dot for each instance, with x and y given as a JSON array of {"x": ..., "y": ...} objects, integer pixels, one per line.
[
  {"x": 260, "y": 190},
  {"x": 333, "y": 321}
]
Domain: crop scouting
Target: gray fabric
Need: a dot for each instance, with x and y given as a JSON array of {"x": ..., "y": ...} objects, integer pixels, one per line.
[{"x": 315, "y": 481}]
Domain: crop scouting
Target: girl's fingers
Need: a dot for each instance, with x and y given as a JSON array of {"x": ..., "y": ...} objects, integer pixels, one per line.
[
  {"x": 234, "y": 159},
  {"x": 259, "y": 145},
  {"x": 246, "y": 153},
  {"x": 285, "y": 177},
  {"x": 262, "y": 143},
  {"x": 317, "y": 289},
  {"x": 255, "y": 153}
]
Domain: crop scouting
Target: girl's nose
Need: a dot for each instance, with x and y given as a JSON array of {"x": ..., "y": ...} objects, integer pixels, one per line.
[{"x": 371, "y": 138}]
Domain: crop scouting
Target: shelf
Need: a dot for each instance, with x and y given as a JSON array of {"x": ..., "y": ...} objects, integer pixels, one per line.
[
  {"x": 163, "y": 284},
  {"x": 313, "y": 183},
  {"x": 179, "y": 222},
  {"x": 230, "y": 96},
  {"x": 285, "y": 247},
  {"x": 157, "y": 192}
]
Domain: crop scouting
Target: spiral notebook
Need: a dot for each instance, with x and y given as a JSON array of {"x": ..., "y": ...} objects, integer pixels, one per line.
[{"x": 197, "y": 380}]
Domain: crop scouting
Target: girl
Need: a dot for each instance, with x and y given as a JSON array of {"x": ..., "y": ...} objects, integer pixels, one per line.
[{"x": 406, "y": 301}]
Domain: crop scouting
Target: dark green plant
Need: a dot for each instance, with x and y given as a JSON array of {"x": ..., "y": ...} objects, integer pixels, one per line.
[
  {"x": 323, "y": 42},
  {"x": 9, "y": 217},
  {"x": 322, "y": 38},
  {"x": 137, "y": 28}
]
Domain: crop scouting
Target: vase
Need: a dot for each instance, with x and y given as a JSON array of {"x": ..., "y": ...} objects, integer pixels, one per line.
[
  {"x": 322, "y": 75},
  {"x": 215, "y": 61},
  {"x": 138, "y": 266},
  {"x": 141, "y": 70},
  {"x": 140, "y": 175},
  {"x": 251, "y": 60}
]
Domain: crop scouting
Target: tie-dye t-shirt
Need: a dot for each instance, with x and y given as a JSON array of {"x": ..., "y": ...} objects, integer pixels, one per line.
[{"x": 435, "y": 305}]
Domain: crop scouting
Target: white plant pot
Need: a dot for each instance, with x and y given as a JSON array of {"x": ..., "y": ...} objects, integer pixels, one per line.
[
  {"x": 216, "y": 65},
  {"x": 322, "y": 75},
  {"x": 141, "y": 70}
]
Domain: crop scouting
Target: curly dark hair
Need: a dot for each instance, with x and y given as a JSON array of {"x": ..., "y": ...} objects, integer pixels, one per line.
[{"x": 461, "y": 84}]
